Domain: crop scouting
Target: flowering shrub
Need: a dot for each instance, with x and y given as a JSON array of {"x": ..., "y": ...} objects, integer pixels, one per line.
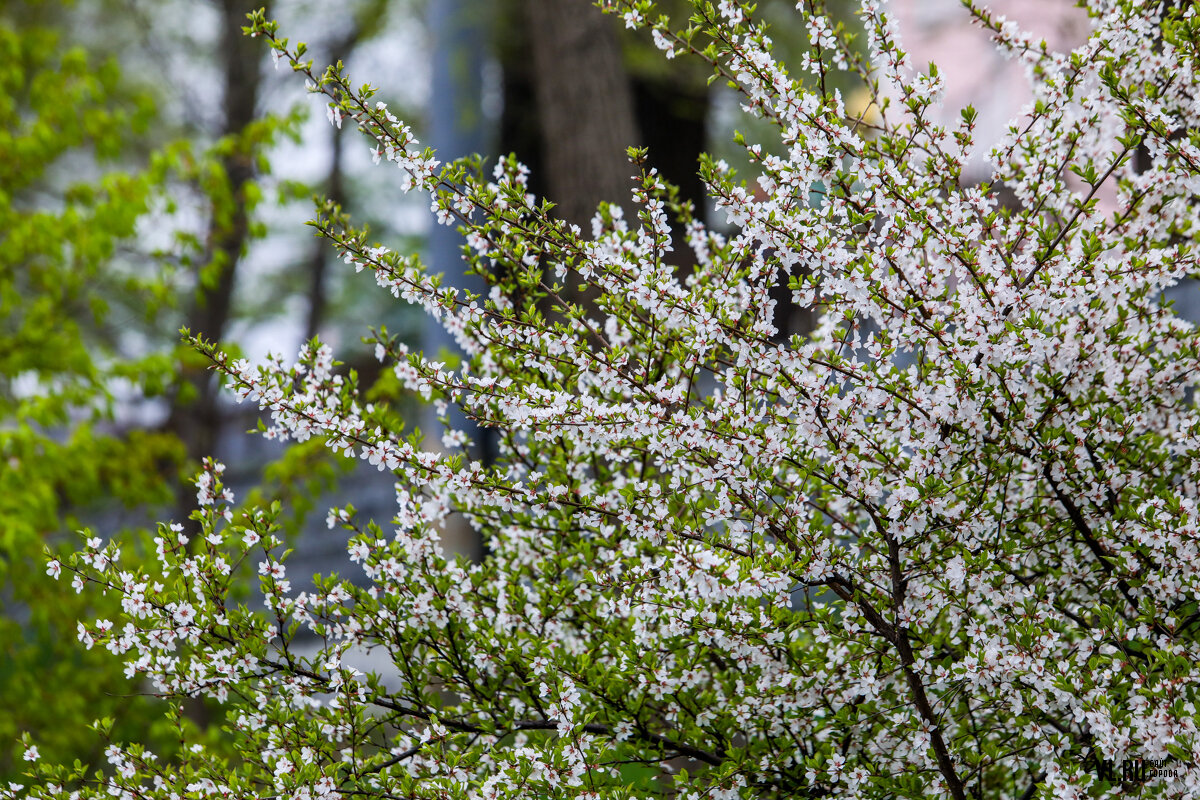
[{"x": 943, "y": 545}]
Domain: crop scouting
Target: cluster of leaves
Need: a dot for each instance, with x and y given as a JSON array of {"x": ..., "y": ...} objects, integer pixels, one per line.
[
  {"x": 57, "y": 109},
  {"x": 75, "y": 294},
  {"x": 945, "y": 545}
]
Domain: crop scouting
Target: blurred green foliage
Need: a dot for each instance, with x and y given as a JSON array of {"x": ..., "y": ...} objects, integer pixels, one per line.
[
  {"x": 109, "y": 231},
  {"x": 62, "y": 115}
]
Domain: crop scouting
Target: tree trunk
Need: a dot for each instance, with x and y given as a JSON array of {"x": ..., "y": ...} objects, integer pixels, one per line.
[
  {"x": 585, "y": 106},
  {"x": 198, "y": 422}
]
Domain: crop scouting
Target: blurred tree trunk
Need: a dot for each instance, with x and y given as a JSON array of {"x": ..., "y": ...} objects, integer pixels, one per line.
[
  {"x": 572, "y": 105},
  {"x": 318, "y": 262},
  {"x": 585, "y": 106},
  {"x": 195, "y": 414},
  {"x": 195, "y": 410},
  {"x": 335, "y": 182}
]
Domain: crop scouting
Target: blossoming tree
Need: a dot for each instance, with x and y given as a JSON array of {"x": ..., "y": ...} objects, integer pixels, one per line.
[{"x": 944, "y": 545}]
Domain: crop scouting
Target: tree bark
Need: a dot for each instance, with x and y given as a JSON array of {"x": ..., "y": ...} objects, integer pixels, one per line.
[
  {"x": 585, "y": 106},
  {"x": 198, "y": 422}
]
